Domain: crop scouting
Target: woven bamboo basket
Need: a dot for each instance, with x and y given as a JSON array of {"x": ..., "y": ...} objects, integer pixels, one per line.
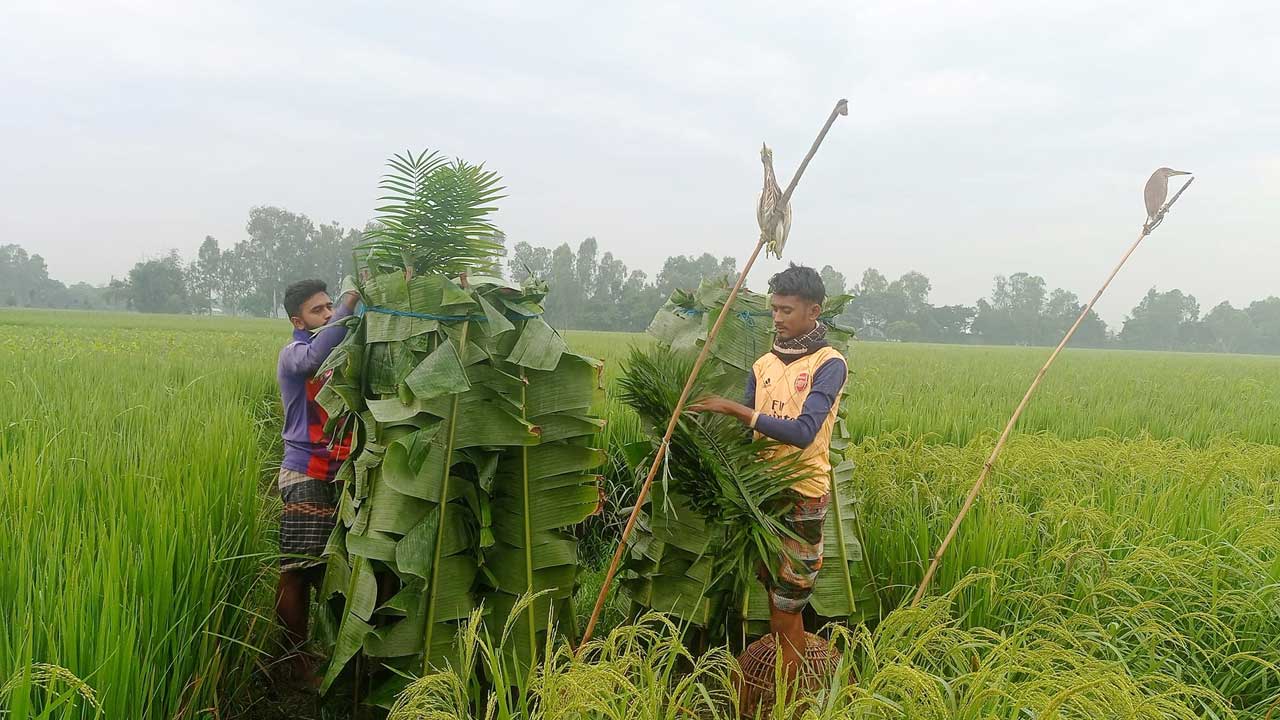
[{"x": 756, "y": 688}]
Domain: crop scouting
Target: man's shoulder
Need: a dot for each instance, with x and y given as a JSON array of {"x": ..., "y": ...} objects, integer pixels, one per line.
[
  {"x": 828, "y": 354},
  {"x": 282, "y": 358},
  {"x": 764, "y": 361},
  {"x": 284, "y": 349},
  {"x": 829, "y": 362}
]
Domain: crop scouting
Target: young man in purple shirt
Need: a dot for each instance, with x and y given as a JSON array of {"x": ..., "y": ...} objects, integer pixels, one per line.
[{"x": 310, "y": 460}]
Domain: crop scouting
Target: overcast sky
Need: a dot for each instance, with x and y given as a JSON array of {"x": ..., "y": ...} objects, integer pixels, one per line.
[{"x": 983, "y": 138}]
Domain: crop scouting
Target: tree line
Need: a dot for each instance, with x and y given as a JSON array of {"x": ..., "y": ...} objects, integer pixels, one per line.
[
  {"x": 597, "y": 291},
  {"x": 247, "y": 278}
]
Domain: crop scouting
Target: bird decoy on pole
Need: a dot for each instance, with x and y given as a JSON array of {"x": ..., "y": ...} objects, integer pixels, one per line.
[
  {"x": 775, "y": 222},
  {"x": 1157, "y": 190}
]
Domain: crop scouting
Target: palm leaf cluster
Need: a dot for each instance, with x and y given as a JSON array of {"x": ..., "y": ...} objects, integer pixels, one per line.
[
  {"x": 434, "y": 217},
  {"x": 472, "y": 452},
  {"x": 696, "y": 546},
  {"x": 713, "y": 466}
]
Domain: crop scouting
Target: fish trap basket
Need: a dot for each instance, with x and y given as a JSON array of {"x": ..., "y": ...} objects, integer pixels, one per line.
[{"x": 756, "y": 688}]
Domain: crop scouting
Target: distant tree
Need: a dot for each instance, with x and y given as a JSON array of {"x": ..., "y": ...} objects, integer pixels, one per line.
[
  {"x": 832, "y": 281},
  {"x": 278, "y": 246},
  {"x": 951, "y": 323},
  {"x": 584, "y": 268},
  {"x": 685, "y": 272},
  {"x": 1265, "y": 315},
  {"x": 1161, "y": 321},
  {"x": 116, "y": 293},
  {"x": 993, "y": 325},
  {"x": 912, "y": 289},
  {"x": 159, "y": 286},
  {"x": 1017, "y": 312},
  {"x": 205, "y": 276},
  {"x": 25, "y": 281},
  {"x": 236, "y": 278},
  {"x": 1229, "y": 329},
  {"x": 872, "y": 282},
  {"x": 904, "y": 330},
  {"x": 526, "y": 261},
  {"x": 83, "y": 296},
  {"x": 1026, "y": 298},
  {"x": 640, "y": 301},
  {"x": 598, "y": 292},
  {"x": 869, "y": 311},
  {"x": 1061, "y": 311},
  {"x": 332, "y": 248},
  {"x": 1093, "y": 332},
  {"x": 281, "y": 247},
  {"x": 566, "y": 297},
  {"x": 604, "y": 310}
]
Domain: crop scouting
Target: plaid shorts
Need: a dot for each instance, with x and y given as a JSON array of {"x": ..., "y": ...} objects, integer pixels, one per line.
[
  {"x": 310, "y": 507},
  {"x": 800, "y": 560}
]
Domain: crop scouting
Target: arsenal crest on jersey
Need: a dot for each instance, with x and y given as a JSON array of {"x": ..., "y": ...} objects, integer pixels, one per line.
[{"x": 802, "y": 381}]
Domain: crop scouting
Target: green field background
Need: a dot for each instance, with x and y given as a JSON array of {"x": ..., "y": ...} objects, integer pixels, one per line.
[{"x": 1138, "y": 504}]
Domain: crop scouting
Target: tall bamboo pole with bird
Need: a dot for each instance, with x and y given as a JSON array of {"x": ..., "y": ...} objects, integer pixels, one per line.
[
  {"x": 775, "y": 223},
  {"x": 1154, "y": 193}
]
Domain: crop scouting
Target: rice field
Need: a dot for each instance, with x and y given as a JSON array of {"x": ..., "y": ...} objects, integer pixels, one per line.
[
  {"x": 134, "y": 520},
  {"x": 1124, "y": 561}
]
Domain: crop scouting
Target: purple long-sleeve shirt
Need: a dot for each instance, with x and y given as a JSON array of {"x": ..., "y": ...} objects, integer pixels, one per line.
[
  {"x": 800, "y": 432},
  {"x": 306, "y": 447}
]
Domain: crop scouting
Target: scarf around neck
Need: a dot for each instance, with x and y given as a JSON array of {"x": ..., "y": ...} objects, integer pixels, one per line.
[{"x": 801, "y": 345}]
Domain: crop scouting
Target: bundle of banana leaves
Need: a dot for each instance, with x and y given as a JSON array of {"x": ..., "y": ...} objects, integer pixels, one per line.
[
  {"x": 471, "y": 446},
  {"x": 712, "y": 517}
]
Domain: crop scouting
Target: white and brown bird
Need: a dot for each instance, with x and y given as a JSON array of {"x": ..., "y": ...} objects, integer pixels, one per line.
[
  {"x": 1157, "y": 190},
  {"x": 775, "y": 222}
]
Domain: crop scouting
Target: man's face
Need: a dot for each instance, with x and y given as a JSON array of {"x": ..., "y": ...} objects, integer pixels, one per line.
[
  {"x": 793, "y": 316},
  {"x": 314, "y": 313}
]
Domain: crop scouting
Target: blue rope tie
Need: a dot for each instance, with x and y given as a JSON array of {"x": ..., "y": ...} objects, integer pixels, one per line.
[{"x": 745, "y": 316}]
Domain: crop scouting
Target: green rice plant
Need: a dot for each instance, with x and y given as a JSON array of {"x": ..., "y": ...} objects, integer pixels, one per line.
[
  {"x": 951, "y": 394},
  {"x": 1160, "y": 553},
  {"x": 598, "y": 534},
  {"x": 918, "y": 663},
  {"x": 136, "y": 538},
  {"x": 60, "y": 687}
]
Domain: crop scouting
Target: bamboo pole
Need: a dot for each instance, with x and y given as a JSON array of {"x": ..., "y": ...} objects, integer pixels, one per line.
[
  {"x": 841, "y": 108},
  {"x": 1017, "y": 412}
]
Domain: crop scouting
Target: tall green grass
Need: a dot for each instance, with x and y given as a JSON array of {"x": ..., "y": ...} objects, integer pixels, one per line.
[
  {"x": 599, "y": 534},
  {"x": 917, "y": 663},
  {"x": 1166, "y": 556},
  {"x": 951, "y": 394},
  {"x": 134, "y": 524}
]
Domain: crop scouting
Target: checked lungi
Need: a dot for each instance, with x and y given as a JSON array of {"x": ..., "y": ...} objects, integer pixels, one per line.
[
  {"x": 800, "y": 560},
  {"x": 310, "y": 508}
]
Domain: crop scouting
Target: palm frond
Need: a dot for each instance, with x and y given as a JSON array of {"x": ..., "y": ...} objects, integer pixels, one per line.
[
  {"x": 434, "y": 217},
  {"x": 727, "y": 478}
]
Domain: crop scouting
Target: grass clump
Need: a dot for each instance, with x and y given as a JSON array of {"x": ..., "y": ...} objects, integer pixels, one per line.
[{"x": 918, "y": 663}]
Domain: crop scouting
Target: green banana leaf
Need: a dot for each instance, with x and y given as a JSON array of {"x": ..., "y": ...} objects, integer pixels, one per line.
[{"x": 472, "y": 456}]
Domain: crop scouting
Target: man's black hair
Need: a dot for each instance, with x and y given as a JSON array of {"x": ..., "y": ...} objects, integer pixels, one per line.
[
  {"x": 300, "y": 292},
  {"x": 801, "y": 281}
]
